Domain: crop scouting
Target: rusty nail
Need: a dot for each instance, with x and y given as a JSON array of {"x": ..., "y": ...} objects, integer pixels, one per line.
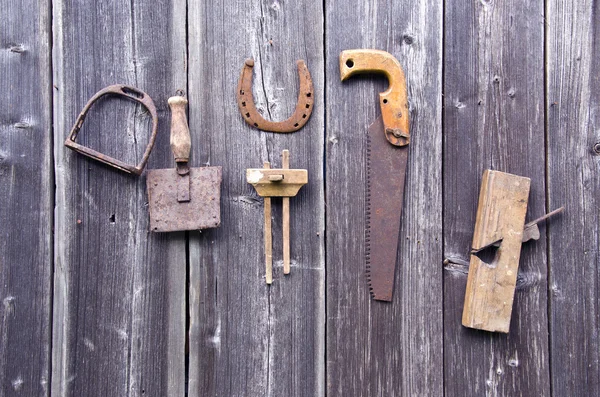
[{"x": 17, "y": 48}]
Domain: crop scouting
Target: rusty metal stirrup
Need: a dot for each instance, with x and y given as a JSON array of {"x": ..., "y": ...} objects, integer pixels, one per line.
[
  {"x": 135, "y": 95},
  {"x": 304, "y": 105}
]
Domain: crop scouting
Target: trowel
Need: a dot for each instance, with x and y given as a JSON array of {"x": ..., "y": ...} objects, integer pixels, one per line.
[{"x": 183, "y": 198}]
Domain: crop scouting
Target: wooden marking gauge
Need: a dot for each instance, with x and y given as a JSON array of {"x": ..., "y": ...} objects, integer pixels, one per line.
[{"x": 285, "y": 183}]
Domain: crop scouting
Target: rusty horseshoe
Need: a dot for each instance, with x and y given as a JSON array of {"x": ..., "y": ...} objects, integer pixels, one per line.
[{"x": 304, "y": 105}]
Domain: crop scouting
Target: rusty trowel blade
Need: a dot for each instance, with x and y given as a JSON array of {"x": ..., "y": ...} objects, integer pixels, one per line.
[
  {"x": 202, "y": 211},
  {"x": 386, "y": 171}
]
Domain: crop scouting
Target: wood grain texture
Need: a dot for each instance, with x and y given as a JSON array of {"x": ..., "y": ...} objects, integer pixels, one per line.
[
  {"x": 268, "y": 235},
  {"x": 285, "y": 213},
  {"x": 572, "y": 106},
  {"x": 491, "y": 282},
  {"x": 248, "y": 338},
  {"x": 375, "y": 348},
  {"x": 493, "y": 118},
  {"x": 26, "y": 190},
  {"x": 119, "y": 293}
]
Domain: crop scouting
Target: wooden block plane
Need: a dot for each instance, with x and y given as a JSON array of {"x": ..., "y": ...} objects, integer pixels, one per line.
[{"x": 500, "y": 230}]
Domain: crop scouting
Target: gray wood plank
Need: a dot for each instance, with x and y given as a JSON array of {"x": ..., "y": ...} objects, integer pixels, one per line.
[
  {"x": 375, "y": 348},
  {"x": 119, "y": 298},
  {"x": 26, "y": 192},
  {"x": 573, "y": 116},
  {"x": 493, "y": 118},
  {"x": 248, "y": 339}
]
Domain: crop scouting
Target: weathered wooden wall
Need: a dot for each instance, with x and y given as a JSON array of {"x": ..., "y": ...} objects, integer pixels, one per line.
[
  {"x": 119, "y": 291},
  {"x": 26, "y": 197},
  {"x": 494, "y": 118},
  {"x": 94, "y": 305},
  {"x": 573, "y": 173},
  {"x": 247, "y": 338},
  {"x": 374, "y": 348}
]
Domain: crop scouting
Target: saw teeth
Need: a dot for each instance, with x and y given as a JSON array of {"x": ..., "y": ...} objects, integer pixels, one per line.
[
  {"x": 368, "y": 212},
  {"x": 368, "y": 218},
  {"x": 369, "y": 283}
]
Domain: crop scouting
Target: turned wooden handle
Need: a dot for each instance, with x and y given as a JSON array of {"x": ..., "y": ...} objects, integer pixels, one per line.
[{"x": 180, "y": 133}]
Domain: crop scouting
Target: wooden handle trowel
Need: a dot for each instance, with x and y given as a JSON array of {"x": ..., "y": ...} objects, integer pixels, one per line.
[{"x": 183, "y": 198}]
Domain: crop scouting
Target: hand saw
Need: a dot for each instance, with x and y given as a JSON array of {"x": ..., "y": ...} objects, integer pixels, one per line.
[{"x": 387, "y": 156}]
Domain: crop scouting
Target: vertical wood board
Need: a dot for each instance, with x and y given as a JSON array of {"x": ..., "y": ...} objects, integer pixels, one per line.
[
  {"x": 25, "y": 199},
  {"x": 247, "y": 338},
  {"x": 573, "y": 131},
  {"x": 493, "y": 118},
  {"x": 119, "y": 292},
  {"x": 375, "y": 348}
]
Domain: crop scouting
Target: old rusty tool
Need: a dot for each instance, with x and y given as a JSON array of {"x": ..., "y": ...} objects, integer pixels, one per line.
[
  {"x": 531, "y": 230},
  {"x": 304, "y": 105},
  {"x": 500, "y": 230},
  {"x": 284, "y": 183},
  {"x": 183, "y": 198},
  {"x": 387, "y": 156},
  {"x": 135, "y": 95}
]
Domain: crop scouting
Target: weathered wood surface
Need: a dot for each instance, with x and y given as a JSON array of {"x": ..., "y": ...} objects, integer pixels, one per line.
[
  {"x": 573, "y": 131},
  {"x": 124, "y": 301},
  {"x": 493, "y": 118},
  {"x": 119, "y": 291},
  {"x": 26, "y": 194},
  {"x": 248, "y": 338},
  {"x": 375, "y": 348},
  {"x": 492, "y": 281}
]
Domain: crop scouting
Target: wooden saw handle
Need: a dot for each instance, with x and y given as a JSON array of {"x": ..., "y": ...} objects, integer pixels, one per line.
[
  {"x": 393, "y": 101},
  {"x": 181, "y": 142}
]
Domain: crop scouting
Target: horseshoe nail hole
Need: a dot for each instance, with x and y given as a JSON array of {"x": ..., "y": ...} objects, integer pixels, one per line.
[
  {"x": 241, "y": 92},
  {"x": 303, "y": 116},
  {"x": 307, "y": 105},
  {"x": 308, "y": 95},
  {"x": 111, "y": 219},
  {"x": 243, "y": 103},
  {"x": 296, "y": 125},
  {"x": 247, "y": 114},
  {"x": 256, "y": 124},
  {"x": 132, "y": 92},
  {"x": 385, "y": 101},
  {"x": 350, "y": 63}
]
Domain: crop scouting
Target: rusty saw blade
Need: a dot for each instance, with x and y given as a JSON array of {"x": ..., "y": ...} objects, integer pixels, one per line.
[{"x": 386, "y": 172}]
